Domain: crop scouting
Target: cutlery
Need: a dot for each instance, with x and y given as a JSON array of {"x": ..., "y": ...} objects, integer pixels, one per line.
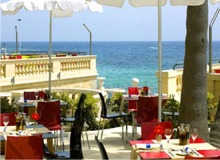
[
  {"x": 172, "y": 155},
  {"x": 195, "y": 152}
]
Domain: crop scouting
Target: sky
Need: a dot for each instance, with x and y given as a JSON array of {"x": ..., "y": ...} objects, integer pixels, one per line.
[{"x": 113, "y": 24}]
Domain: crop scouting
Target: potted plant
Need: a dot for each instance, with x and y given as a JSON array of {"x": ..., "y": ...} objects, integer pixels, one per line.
[{"x": 8, "y": 109}]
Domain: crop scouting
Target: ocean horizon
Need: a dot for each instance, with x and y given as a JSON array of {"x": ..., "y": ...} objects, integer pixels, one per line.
[{"x": 121, "y": 61}]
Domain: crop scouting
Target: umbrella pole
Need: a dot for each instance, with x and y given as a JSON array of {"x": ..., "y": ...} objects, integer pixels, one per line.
[
  {"x": 50, "y": 51},
  {"x": 159, "y": 59}
]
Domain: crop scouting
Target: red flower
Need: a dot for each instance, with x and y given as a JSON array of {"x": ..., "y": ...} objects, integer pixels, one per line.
[
  {"x": 145, "y": 88},
  {"x": 158, "y": 129},
  {"x": 35, "y": 116},
  {"x": 41, "y": 94}
]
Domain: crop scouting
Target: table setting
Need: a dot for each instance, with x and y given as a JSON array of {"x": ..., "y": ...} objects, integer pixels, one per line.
[
  {"x": 173, "y": 150},
  {"x": 187, "y": 146}
]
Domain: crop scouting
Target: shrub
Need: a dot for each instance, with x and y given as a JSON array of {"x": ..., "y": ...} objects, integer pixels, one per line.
[
  {"x": 212, "y": 107},
  {"x": 91, "y": 108},
  {"x": 7, "y": 107},
  {"x": 172, "y": 105}
]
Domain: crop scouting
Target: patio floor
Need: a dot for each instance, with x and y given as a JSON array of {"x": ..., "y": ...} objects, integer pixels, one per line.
[{"x": 114, "y": 145}]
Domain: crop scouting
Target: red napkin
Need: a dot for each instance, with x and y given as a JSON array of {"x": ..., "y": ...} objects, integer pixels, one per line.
[
  {"x": 140, "y": 142},
  {"x": 198, "y": 140},
  {"x": 210, "y": 153},
  {"x": 154, "y": 155}
]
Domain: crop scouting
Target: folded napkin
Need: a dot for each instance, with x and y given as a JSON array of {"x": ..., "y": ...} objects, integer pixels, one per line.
[
  {"x": 147, "y": 146},
  {"x": 26, "y": 101},
  {"x": 184, "y": 153},
  {"x": 140, "y": 147}
]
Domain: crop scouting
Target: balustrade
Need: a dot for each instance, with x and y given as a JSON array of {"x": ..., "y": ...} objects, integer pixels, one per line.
[
  {"x": 33, "y": 68},
  {"x": 36, "y": 70},
  {"x": 172, "y": 82},
  {"x": 2, "y": 70}
]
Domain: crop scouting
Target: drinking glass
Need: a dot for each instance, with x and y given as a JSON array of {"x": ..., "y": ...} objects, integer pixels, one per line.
[
  {"x": 168, "y": 134},
  {"x": 36, "y": 95},
  {"x": 27, "y": 121},
  {"x": 194, "y": 133},
  {"x": 6, "y": 120}
]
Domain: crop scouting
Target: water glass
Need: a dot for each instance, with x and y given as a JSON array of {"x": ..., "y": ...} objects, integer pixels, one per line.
[
  {"x": 194, "y": 134},
  {"x": 168, "y": 134}
]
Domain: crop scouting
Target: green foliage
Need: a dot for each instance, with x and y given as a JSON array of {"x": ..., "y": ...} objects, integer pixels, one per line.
[
  {"x": 7, "y": 107},
  {"x": 66, "y": 97},
  {"x": 91, "y": 111},
  {"x": 91, "y": 108},
  {"x": 212, "y": 107},
  {"x": 114, "y": 102},
  {"x": 172, "y": 106}
]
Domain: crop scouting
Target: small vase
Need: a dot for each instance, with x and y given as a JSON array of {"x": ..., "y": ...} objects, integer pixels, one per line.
[
  {"x": 158, "y": 138},
  {"x": 35, "y": 125}
]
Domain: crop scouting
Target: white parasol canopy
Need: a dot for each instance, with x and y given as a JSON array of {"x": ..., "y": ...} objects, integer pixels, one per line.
[
  {"x": 57, "y": 8},
  {"x": 158, "y": 3}
]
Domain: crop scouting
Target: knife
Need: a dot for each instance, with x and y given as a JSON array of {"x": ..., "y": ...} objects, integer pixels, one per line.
[{"x": 195, "y": 152}]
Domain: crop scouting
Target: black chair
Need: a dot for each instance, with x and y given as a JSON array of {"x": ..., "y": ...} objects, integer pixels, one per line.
[
  {"x": 102, "y": 149},
  {"x": 72, "y": 119},
  {"x": 75, "y": 136},
  {"x": 105, "y": 115}
]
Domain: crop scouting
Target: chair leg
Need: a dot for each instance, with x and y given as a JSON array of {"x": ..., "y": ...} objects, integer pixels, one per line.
[
  {"x": 61, "y": 139},
  {"x": 99, "y": 127},
  {"x": 126, "y": 129},
  {"x": 126, "y": 132},
  {"x": 122, "y": 121},
  {"x": 102, "y": 129},
  {"x": 133, "y": 119},
  {"x": 83, "y": 139},
  {"x": 87, "y": 137},
  {"x": 135, "y": 129},
  {"x": 56, "y": 139}
]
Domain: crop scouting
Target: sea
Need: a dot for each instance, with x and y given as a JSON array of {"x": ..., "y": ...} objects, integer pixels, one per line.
[{"x": 121, "y": 61}]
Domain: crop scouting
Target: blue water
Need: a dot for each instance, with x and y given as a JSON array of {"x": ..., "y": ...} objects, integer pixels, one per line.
[{"x": 119, "y": 62}]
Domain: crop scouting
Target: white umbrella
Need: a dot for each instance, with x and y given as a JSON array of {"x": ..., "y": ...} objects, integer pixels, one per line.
[
  {"x": 57, "y": 8},
  {"x": 158, "y": 3}
]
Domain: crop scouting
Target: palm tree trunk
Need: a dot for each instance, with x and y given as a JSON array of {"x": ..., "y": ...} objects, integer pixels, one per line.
[{"x": 193, "y": 107}]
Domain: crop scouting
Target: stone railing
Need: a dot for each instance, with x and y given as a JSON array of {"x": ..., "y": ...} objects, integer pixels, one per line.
[
  {"x": 172, "y": 82},
  {"x": 35, "y": 72}
]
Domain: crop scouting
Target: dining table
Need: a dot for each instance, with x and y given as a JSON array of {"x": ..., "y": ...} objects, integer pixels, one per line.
[
  {"x": 31, "y": 106},
  {"x": 11, "y": 130},
  {"x": 152, "y": 149},
  {"x": 134, "y": 97}
]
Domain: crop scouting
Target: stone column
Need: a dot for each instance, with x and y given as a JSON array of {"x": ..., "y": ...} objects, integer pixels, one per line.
[
  {"x": 135, "y": 82},
  {"x": 100, "y": 81}
]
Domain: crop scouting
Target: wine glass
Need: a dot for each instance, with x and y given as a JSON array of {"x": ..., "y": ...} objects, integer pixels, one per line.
[
  {"x": 168, "y": 134},
  {"x": 36, "y": 95},
  {"x": 194, "y": 133},
  {"x": 6, "y": 120}
]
